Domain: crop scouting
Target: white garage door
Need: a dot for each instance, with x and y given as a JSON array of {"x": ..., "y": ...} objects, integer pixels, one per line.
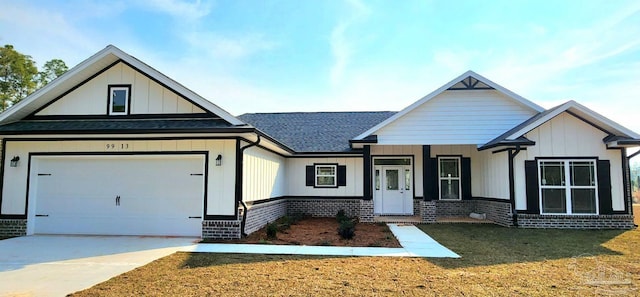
[{"x": 118, "y": 195}]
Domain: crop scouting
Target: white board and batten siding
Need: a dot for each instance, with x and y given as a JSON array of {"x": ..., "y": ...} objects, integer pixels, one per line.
[
  {"x": 489, "y": 172},
  {"x": 147, "y": 96},
  {"x": 456, "y": 117},
  {"x": 221, "y": 179},
  {"x": 296, "y": 177},
  {"x": 568, "y": 136},
  {"x": 264, "y": 175}
]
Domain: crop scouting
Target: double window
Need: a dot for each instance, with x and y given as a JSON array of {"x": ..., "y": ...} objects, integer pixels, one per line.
[
  {"x": 119, "y": 99},
  {"x": 449, "y": 178},
  {"x": 568, "y": 186}
]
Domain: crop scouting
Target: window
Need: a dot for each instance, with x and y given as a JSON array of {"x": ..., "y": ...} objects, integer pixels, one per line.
[
  {"x": 568, "y": 187},
  {"x": 119, "y": 100},
  {"x": 326, "y": 175},
  {"x": 449, "y": 178}
]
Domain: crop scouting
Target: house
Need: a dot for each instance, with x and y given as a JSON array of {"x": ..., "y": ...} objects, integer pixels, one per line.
[{"x": 115, "y": 147}]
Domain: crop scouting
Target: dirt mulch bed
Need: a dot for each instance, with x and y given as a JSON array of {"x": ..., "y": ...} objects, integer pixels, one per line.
[{"x": 324, "y": 232}]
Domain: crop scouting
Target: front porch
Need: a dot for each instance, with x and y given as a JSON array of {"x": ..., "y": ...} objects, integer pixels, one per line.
[{"x": 452, "y": 211}]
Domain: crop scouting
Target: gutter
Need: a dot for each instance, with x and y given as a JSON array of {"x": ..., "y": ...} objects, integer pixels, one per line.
[
  {"x": 512, "y": 186},
  {"x": 239, "y": 181}
]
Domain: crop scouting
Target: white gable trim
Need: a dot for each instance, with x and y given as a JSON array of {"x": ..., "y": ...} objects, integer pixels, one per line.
[
  {"x": 581, "y": 111},
  {"x": 84, "y": 70},
  {"x": 448, "y": 85}
]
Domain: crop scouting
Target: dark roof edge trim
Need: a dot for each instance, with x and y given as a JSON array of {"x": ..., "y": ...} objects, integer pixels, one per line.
[
  {"x": 368, "y": 139},
  {"x": 521, "y": 141},
  {"x": 131, "y": 131}
]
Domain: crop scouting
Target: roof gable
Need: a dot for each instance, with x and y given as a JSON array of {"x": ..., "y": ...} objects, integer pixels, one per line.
[
  {"x": 580, "y": 111},
  {"x": 467, "y": 81},
  {"x": 146, "y": 96},
  {"x": 92, "y": 67}
]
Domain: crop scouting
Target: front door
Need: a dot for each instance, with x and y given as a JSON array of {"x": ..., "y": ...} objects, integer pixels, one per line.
[{"x": 392, "y": 190}]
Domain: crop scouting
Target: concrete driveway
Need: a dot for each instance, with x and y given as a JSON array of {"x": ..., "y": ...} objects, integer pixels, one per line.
[{"x": 56, "y": 265}]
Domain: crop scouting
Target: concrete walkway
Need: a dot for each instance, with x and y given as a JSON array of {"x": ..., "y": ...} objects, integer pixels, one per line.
[
  {"x": 55, "y": 265},
  {"x": 415, "y": 243}
]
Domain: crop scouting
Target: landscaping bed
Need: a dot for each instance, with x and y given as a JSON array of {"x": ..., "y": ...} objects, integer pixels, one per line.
[{"x": 323, "y": 232}]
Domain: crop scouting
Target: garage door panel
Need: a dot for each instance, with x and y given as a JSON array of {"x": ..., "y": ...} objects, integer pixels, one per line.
[{"x": 158, "y": 194}]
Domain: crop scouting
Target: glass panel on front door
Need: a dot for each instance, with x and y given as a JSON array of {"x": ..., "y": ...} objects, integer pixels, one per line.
[{"x": 392, "y": 179}]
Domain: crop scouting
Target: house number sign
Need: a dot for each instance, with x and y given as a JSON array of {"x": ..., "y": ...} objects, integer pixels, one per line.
[{"x": 117, "y": 146}]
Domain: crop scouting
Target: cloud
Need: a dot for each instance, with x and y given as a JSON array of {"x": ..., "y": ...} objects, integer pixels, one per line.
[
  {"x": 219, "y": 46},
  {"x": 183, "y": 10},
  {"x": 342, "y": 46},
  {"x": 44, "y": 33}
]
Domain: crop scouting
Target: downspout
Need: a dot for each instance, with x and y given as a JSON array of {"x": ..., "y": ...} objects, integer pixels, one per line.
[
  {"x": 512, "y": 185},
  {"x": 239, "y": 182},
  {"x": 628, "y": 173}
]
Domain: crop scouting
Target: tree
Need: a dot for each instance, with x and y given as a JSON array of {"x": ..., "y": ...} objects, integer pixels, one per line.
[
  {"x": 17, "y": 73},
  {"x": 50, "y": 71}
]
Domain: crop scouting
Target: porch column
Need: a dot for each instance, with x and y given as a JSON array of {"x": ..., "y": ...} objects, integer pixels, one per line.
[
  {"x": 427, "y": 174},
  {"x": 366, "y": 191}
]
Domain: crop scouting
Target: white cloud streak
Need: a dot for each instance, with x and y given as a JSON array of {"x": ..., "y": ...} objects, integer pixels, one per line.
[{"x": 342, "y": 45}]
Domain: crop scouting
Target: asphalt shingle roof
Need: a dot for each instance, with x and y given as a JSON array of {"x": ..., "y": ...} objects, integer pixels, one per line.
[
  {"x": 315, "y": 131},
  {"x": 114, "y": 125}
]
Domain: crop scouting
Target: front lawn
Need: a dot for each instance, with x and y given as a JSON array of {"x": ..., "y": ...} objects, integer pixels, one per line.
[{"x": 495, "y": 261}]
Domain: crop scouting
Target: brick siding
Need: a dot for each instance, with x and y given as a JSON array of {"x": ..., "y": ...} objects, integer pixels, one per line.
[
  {"x": 221, "y": 229},
  {"x": 576, "y": 222},
  {"x": 428, "y": 211},
  {"x": 261, "y": 214},
  {"x": 13, "y": 227},
  {"x": 496, "y": 211},
  {"x": 366, "y": 211},
  {"x": 323, "y": 207}
]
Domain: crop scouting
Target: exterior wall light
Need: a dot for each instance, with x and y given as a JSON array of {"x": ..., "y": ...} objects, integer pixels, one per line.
[
  {"x": 219, "y": 160},
  {"x": 14, "y": 161}
]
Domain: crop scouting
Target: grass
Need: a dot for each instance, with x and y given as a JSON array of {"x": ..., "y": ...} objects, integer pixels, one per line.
[{"x": 495, "y": 261}]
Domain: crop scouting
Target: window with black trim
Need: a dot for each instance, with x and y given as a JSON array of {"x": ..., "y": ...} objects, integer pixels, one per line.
[
  {"x": 568, "y": 186},
  {"x": 326, "y": 175},
  {"x": 119, "y": 100},
  {"x": 449, "y": 178}
]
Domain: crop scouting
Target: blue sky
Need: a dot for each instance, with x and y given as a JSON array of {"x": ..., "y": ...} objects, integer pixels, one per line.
[{"x": 268, "y": 56}]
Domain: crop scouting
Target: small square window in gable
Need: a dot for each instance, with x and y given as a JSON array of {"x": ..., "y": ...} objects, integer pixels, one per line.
[{"x": 119, "y": 99}]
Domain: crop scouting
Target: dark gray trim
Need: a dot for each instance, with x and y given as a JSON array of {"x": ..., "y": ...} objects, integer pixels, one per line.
[
  {"x": 166, "y": 87},
  {"x": 368, "y": 139},
  {"x": 127, "y": 117},
  {"x": 312, "y": 154},
  {"x": 279, "y": 198},
  {"x": 512, "y": 184},
  {"x": 367, "y": 172},
  {"x": 520, "y": 141},
  {"x": 3, "y": 157},
  {"x": 427, "y": 174},
  {"x": 626, "y": 183},
  {"x": 239, "y": 180},
  {"x": 490, "y": 199},
  {"x": 73, "y": 88},
  {"x": 586, "y": 121},
  {"x": 438, "y": 175},
  {"x": 315, "y": 177},
  {"x": 132, "y": 131}
]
